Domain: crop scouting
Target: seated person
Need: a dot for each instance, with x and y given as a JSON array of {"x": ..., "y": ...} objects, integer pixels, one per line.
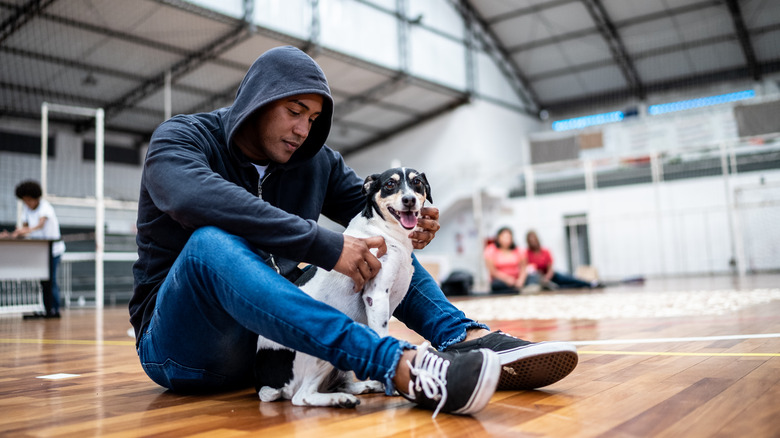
[
  {"x": 228, "y": 209},
  {"x": 540, "y": 263},
  {"x": 505, "y": 262}
]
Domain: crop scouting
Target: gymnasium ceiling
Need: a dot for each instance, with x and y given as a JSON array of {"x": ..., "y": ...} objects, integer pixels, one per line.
[{"x": 559, "y": 54}]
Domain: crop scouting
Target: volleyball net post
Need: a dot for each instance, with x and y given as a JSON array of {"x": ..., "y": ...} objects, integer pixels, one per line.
[{"x": 99, "y": 201}]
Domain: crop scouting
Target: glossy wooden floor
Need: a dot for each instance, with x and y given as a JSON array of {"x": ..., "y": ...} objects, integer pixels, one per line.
[{"x": 723, "y": 385}]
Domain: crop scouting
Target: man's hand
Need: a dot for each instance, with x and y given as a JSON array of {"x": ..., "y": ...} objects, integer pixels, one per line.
[
  {"x": 427, "y": 226},
  {"x": 357, "y": 262}
]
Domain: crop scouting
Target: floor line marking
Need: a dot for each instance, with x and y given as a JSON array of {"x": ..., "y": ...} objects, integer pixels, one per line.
[
  {"x": 585, "y": 352},
  {"x": 673, "y": 353},
  {"x": 691, "y": 339}
]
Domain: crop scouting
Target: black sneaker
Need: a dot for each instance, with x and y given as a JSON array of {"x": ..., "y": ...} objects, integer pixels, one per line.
[
  {"x": 524, "y": 364},
  {"x": 452, "y": 383}
]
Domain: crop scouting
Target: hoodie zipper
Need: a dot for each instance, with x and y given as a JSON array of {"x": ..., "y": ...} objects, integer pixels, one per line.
[{"x": 260, "y": 182}]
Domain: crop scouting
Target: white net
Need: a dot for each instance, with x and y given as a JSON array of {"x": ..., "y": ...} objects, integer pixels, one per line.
[
  {"x": 758, "y": 213},
  {"x": 20, "y": 296}
]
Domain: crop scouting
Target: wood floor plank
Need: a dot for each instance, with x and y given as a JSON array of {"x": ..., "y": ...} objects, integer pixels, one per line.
[
  {"x": 719, "y": 387},
  {"x": 760, "y": 418},
  {"x": 721, "y": 410},
  {"x": 661, "y": 416},
  {"x": 602, "y": 411}
]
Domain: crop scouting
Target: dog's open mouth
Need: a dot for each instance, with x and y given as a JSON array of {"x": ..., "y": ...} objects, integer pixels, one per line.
[{"x": 407, "y": 219}]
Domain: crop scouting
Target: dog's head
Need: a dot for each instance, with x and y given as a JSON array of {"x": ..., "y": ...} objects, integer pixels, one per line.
[{"x": 397, "y": 194}]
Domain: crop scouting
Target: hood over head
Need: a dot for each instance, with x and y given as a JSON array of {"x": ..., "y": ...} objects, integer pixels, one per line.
[{"x": 279, "y": 73}]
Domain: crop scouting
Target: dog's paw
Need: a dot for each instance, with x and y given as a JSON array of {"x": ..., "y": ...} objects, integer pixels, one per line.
[
  {"x": 268, "y": 394},
  {"x": 335, "y": 399},
  {"x": 348, "y": 401},
  {"x": 363, "y": 387}
]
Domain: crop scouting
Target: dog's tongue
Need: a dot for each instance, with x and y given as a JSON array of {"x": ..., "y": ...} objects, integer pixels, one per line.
[{"x": 408, "y": 219}]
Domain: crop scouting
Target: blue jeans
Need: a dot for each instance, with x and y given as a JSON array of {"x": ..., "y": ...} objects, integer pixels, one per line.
[
  {"x": 51, "y": 289},
  {"x": 563, "y": 281},
  {"x": 219, "y": 295}
]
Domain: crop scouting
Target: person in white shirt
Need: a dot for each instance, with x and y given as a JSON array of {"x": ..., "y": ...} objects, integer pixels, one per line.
[{"x": 40, "y": 222}]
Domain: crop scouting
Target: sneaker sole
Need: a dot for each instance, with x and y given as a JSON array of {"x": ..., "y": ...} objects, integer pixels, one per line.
[
  {"x": 537, "y": 365},
  {"x": 488, "y": 381}
]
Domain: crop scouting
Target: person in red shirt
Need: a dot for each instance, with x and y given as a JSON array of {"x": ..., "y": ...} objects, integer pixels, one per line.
[
  {"x": 506, "y": 263},
  {"x": 541, "y": 262}
]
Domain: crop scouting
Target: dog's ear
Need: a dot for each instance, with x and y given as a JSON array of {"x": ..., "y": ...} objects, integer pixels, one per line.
[
  {"x": 371, "y": 184},
  {"x": 427, "y": 186}
]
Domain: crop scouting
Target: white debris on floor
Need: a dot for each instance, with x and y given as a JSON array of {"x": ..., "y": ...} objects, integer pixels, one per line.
[{"x": 606, "y": 305}]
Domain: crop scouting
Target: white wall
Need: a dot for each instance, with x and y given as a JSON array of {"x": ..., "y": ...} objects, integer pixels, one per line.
[{"x": 472, "y": 146}]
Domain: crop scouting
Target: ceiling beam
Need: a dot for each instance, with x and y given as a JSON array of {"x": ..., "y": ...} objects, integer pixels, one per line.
[
  {"x": 744, "y": 38},
  {"x": 371, "y": 95},
  {"x": 48, "y": 93},
  {"x": 177, "y": 70},
  {"x": 385, "y": 135},
  {"x": 140, "y": 135},
  {"x": 64, "y": 97},
  {"x": 617, "y": 96},
  {"x": 489, "y": 43},
  {"x": 637, "y": 57},
  {"x": 240, "y": 32},
  {"x": 129, "y": 37},
  {"x": 665, "y": 13},
  {"x": 22, "y": 16},
  {"x": 534, "y": 9},
  {"x": 655, "y": 52},
  {"x": 208, "y": 104},
  {"x": 92, "y": 68},
  {"x": 616, "y": 47}
]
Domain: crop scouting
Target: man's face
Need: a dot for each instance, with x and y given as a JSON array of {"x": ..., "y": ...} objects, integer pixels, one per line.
[{"x": 278, "y": 129}]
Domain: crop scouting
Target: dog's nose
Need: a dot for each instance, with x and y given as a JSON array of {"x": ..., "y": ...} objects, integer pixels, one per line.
[{"x": 409, "y": 201}]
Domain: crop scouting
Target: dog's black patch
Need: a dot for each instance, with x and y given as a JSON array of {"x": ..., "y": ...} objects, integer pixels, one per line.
[
  {"x": 273, "y": 368},
  {"x": 332, "y": 382},
  {"x": 308, "y": 274},
  {"x": 425, "y": 186},
  {"x": 370, "y": 187}
]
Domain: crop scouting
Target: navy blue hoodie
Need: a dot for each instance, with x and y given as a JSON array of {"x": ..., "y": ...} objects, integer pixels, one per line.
[{"x": 195, "y": 176}]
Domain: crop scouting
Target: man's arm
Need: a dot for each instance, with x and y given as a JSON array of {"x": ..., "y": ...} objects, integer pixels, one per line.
[{"x": 188, "y": 179}]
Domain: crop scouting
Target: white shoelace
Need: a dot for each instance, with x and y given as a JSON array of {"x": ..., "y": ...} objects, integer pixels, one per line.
[{"x": 431, "y": 377}]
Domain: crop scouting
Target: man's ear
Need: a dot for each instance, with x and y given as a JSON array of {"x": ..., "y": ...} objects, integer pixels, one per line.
[
  {"x": 371, "y": 184},
  {"x": 427, "y": 186}
]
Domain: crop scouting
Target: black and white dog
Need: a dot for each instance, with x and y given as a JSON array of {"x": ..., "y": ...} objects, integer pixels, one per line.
[{"x": 393, "y": 202}]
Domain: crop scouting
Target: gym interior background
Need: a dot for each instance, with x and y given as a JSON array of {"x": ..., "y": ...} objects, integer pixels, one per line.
[{"x": 637, "y": 137}]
